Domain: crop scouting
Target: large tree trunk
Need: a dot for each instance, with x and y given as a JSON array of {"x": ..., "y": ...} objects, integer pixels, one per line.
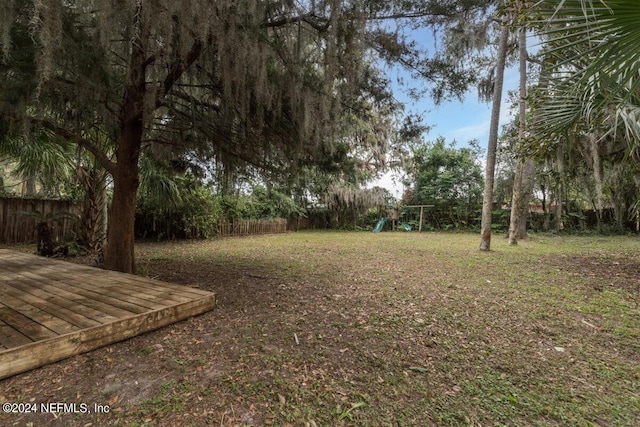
[
  {"x": 519, "y": 211},
  {"x": 119, "y": 254},
  {"x": 490, "y": 168}
]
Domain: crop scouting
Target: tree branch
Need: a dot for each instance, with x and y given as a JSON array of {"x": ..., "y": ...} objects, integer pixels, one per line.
[
  {"x": 318, "y": 24},
  {"x": 102, "y": 158},
  {"x": 178, "y": 69}
]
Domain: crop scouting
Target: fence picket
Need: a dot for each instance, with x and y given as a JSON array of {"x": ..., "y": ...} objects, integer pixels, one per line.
[
  {"x": 247, "y": 227},
  {"x": 18, "y": 228},
  {"x": 15, "y": 227}
]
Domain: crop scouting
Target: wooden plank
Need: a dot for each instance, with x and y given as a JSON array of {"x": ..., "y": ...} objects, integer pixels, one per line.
[
  {"x": 34, "y": 261},
  {"x": 108, "y": 291},
  {"x": 155, "y": 293},
  {"x": 53, "y": 306},
  {"x": 92, "y": 309},
  {"x": 101, "y": 299},
  {"x": 24, "y": 325},
  {"x": 68, "y": 302},
  {"x": 9, "y": 337},
  {"x": 178, "y": 291},
  {"x": 50, "y": 310},
  {"x": 35, "y": 313},
  {"x": 15, "y": 228},
  {"x": 148, "y": 289},
  {"x": 30, "y": 356}
]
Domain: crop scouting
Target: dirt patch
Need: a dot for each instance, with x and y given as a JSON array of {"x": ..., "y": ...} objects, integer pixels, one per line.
[{"x": 605, "y": 269}]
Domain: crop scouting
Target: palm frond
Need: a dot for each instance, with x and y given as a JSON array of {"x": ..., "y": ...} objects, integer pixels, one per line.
[
  {"x": 48, "y": 158},
  {"x": 596, "y": 49}
]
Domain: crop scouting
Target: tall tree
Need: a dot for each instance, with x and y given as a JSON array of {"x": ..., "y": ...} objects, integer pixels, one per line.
[
  {"x": 525, "y": 168},
  {"x": 221, "y": 73},
  {"x": 487, "y": 197},
  {"x": 449, "y": 179}
]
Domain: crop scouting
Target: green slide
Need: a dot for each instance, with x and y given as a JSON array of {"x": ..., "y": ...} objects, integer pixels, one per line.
[{"x": 379, "y": 225}]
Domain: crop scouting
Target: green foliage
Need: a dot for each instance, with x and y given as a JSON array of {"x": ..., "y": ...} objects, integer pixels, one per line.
[
  {"x": 260, "y": 203},
  {"x": 450, "y": 179},
  {"x": 17, "y": 63},
  {"x": 200, "y": 212},
  {"x": 44, "y": 159},
  {"x": 595, "y": 48},
  {"x": 173, "y": 206},
  {"x": 586, "y": 123}
]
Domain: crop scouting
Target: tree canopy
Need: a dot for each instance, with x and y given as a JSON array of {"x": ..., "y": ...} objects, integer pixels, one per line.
[
  {"x": 280, "y": 86},
  {"x": 449, "y": 179},
  {"x": 257, "y": 82}
]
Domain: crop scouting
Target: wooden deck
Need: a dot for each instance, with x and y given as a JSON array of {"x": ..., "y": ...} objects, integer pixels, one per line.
[{"x": 51, "y": 309}]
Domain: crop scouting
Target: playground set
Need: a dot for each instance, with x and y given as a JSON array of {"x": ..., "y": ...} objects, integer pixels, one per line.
[{"x": 393, "y": 215}]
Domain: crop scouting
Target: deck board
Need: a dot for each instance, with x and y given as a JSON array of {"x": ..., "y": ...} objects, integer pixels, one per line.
[{"x": 51, "y": 309}]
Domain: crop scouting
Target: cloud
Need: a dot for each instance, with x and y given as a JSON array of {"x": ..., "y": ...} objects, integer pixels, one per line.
[
  {"x": 392, "y": 181},
  {"x": 480, "y": 129},
  {"x": 462, "y": 135}
]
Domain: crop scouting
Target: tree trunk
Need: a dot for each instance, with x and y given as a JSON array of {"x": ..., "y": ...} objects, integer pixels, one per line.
[
  {"x": 598, "y": 173},
  {"x": 93, "y": 230},
  {"x": 528, "y": 180},
  {"x": 522, "y": 189},
  {"x": 516, "y": 204},
  {"x": 29, "y": 186},
  {"x": 487, "y": 198},
  {"x": 119, "y": 254},
  {"x": 519, "y": 211},
  {"x": 560, "y": 186},
  {"x": 545, "y": 209}
]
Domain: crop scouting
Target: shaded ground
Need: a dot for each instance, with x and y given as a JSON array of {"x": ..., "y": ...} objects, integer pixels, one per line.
[{"x": 394, "y": 329}]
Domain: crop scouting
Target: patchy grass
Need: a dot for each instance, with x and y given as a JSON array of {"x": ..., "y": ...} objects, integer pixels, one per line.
[{"x": 389, "y": 329}]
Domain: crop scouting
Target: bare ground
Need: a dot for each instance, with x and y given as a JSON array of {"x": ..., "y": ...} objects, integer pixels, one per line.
[{"x": 323, "y": 329}]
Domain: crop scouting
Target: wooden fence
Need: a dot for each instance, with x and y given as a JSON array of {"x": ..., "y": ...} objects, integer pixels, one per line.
[
  {"x": 247, "y": 227},
  {"x": 18, "y": 218}
]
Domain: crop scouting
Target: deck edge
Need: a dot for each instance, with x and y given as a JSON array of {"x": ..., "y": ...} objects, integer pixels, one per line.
[{"x": 21, "y": 359}]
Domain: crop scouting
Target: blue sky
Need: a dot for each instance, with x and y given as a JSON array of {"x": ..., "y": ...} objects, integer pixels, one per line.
[{"x": 461, "y": 121}]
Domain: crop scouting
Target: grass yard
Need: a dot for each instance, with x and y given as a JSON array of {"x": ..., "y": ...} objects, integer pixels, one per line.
[{"x": 362, "y": 329}]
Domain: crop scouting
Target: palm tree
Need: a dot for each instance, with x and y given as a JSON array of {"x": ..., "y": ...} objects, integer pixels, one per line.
[
  {"x": 60, "y": 169},
  {"x": 593, "y": 97},
  {"x": 595, "y": 81},
  {"x": 525, "y": 169},
  {"x": 39, "y": 159}
]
